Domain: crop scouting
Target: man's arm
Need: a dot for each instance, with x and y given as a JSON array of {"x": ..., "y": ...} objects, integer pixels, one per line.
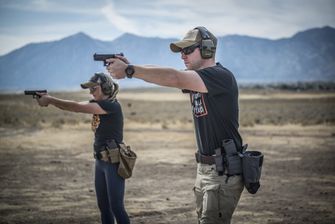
[
  {"x": 170, "y": 77},
  {"x": 189, "y": 80}
]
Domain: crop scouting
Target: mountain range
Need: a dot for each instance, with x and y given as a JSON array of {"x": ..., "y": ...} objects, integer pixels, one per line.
[{"x": 63, "y": 64}]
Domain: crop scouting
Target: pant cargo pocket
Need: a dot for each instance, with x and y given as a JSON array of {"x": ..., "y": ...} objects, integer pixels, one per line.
[
  {"x": 211, "y": 211},
  {"x": 198, "y": 201}
]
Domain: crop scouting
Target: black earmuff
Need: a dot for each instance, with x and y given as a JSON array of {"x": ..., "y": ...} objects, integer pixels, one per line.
[
  {"x": 106, "y": 87},
  {"x": 207, "y": 46}
]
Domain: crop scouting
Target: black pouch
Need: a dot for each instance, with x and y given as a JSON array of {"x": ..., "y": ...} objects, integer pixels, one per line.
[
  {"x": 252, "y": 168},
  {"x": 219, "y": 161},
  {"x": 233, "y": 160}
]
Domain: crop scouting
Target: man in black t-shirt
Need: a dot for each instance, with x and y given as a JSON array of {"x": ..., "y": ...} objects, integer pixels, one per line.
[{"x": 214, "y": 98}]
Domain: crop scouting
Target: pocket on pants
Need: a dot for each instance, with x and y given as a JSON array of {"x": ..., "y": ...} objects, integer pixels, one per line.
[
  {"x": 211, "y": 202},
  {"x": 230, "y": 194},
  {"x": 198, "y": 200}
]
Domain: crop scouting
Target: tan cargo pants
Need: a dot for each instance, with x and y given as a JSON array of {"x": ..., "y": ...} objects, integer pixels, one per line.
[{"x": 216, "y": 196}]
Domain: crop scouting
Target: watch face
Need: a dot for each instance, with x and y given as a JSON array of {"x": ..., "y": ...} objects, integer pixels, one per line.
[{"x": 130, "y": 71}]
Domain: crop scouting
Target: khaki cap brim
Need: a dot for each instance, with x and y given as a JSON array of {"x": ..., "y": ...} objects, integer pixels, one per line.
[
  {"x": 87, "y": 85},
  {"x": 192, "y": 37},
  {"x": 177, "y": 46}
]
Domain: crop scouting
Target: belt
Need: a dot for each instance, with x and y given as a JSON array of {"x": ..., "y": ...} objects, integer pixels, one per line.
[
  {"x": 107, "y": 155},
  {"x": 209, "y": 160}
]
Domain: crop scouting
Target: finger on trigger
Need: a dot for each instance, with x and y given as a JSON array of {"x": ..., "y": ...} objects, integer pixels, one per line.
[{"x": 110, "y": 60}]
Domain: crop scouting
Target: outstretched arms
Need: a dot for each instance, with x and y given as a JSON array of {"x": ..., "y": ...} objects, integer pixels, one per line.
[
  {"x": 159, "y": 75},
  {"x": 69, "y": 105}
]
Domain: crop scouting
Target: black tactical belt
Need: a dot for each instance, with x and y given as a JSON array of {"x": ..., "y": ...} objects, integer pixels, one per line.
[{"x": 209, "y": 160}]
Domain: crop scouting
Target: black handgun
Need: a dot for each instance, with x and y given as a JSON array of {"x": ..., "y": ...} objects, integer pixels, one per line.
[
  {"x": 104, "y": 57},
  {"x": 34, "y": 92}
]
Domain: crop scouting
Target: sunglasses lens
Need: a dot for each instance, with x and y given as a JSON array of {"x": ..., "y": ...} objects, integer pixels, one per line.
[
  {"x": 189, "y": 50},
  {"x": 92, "y": 89}
]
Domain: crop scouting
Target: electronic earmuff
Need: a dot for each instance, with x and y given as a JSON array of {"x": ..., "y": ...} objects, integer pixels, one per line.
[
  {"x": 207, "y": 46},
  {"x": 107, "y": 86}
]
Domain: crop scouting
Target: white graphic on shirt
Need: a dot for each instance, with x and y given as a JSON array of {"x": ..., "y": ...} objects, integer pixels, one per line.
[{"x": 198, "y": 105}]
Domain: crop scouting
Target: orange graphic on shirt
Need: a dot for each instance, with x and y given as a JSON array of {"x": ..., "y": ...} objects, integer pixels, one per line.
[{"x": 95, "y": 122}]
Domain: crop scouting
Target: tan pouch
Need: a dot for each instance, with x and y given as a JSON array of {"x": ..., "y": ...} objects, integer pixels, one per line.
[
  {"x": 114, "y": 155},
  {"x": 104, "y": 156},
  {"x": 127, "y": 159}
]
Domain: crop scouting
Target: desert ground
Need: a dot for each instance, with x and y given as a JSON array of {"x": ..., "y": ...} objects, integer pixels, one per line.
[{"x": 46, "y": 164}]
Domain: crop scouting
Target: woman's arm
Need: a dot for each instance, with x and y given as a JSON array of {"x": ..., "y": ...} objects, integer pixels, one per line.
[{"x": 69, "y": 105}]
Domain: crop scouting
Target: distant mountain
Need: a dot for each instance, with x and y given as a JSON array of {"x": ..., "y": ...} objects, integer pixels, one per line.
[
  {"x": 63, "y": 64},
  {"x": 307, "y": 56}
]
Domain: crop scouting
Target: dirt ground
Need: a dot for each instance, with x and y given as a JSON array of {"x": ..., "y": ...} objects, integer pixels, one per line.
[{"x": 46, "y": 174}]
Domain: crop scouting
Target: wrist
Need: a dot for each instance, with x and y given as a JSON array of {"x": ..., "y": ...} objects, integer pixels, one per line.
[
  {"x": 50, "y": 100},
  {"x": 130, "y": 70}
]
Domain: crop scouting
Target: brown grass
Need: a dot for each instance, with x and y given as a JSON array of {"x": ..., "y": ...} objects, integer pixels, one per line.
[{"x": 168, "y": 107}]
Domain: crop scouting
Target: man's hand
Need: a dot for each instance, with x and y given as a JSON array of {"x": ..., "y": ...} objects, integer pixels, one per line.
[
  {"x": 43, "y": 100},
  {"x": 117, "y": 67}
]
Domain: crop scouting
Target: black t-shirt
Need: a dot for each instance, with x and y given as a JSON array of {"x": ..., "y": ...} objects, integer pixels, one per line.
[
  {"x": 215, "y": 113},
  {"x": 108, "y": 126}
]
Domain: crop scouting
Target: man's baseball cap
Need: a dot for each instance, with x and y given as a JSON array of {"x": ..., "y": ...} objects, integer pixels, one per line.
[
  {"x": 192, "y": 37},
  {"x": 96, "y": 79}
]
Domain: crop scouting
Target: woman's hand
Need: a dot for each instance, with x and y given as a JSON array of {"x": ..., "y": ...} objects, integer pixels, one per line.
[{"x": 43, "y": 99}]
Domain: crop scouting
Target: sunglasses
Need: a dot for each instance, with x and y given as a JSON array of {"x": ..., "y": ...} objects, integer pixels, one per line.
[
  {"x": 93, "y": 89},
  {"x": 190, "y": 49}
]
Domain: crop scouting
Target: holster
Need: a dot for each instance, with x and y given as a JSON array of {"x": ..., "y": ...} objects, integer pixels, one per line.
[
  {"x": 232, "y": 159},
  {"x": 113, "y": 151}
]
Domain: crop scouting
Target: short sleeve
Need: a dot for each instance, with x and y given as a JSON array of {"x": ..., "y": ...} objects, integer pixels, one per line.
[
  {"x": 217, "y": 79},
  {"x": 107, "y": 105}
]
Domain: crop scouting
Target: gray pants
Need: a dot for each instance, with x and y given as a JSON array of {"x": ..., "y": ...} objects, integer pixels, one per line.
[{"x": 216, "y": 196}]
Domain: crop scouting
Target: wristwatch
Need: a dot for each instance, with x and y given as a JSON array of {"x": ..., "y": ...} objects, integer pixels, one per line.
[{"x": 130, "y": 71}]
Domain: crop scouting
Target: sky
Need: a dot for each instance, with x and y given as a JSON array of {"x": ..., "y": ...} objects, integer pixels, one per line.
[{"x": 31, "y": 21}]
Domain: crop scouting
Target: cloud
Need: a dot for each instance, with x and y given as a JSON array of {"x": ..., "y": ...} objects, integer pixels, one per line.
[
  {"x": 159, "y": 18},
  {"x": 263, "y": 18},
  {"x": 107, "y": 19},
  {"x": 120, "y": 22},
  {"x": 54, "y": 6}
]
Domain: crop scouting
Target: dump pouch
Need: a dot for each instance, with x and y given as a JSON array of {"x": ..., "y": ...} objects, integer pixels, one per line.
[
  {"x": 252, "y": 168},
  {"x": 232, "y": 158},
  {"x": 127, "y": 161},
  {"x": 219, "y": 161}
]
